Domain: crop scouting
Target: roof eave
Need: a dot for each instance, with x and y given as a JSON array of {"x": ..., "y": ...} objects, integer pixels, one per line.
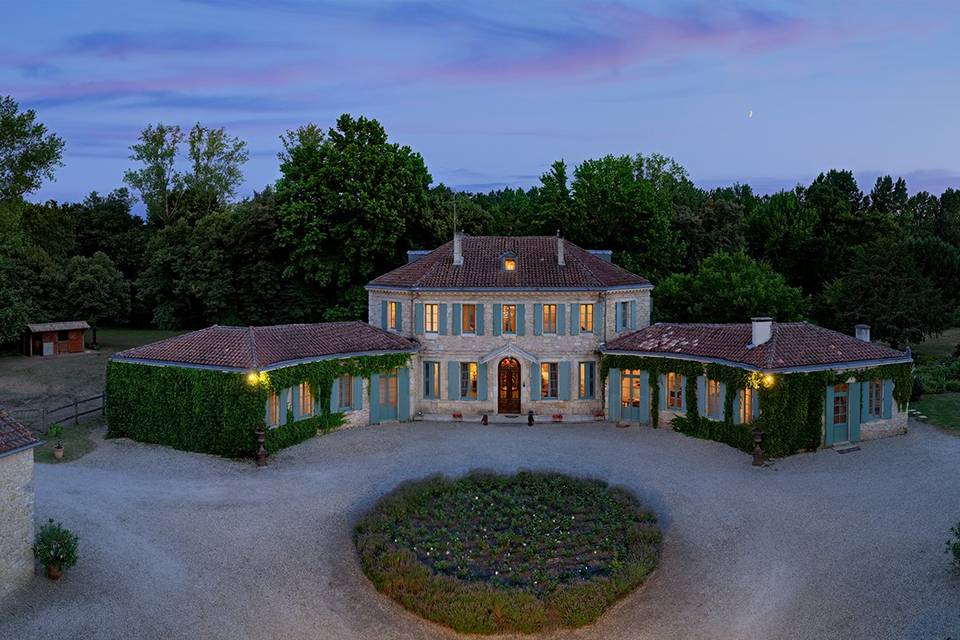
[
  {"x": 276, "y": 365},
  {"x": 849, "y": 364},
  {"x": 25, "y": 447},
  {"x": 383, "y": 287}
]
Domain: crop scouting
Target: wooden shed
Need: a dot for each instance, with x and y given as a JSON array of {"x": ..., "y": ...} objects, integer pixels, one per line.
[{"x": 54, "y": 338}]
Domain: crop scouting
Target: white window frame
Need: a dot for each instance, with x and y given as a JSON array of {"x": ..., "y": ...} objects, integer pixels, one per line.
[
  {"x": 431, "y": 317},
  {"x": 463, "y": 319},
  {"x": 546, "y": 329},
  {"x": 550, "y": 380},
  {"x": 586, "y": 310}
]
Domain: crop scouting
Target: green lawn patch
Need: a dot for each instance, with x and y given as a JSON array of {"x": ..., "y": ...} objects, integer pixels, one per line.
[
  {"x": 939, "y": 347},
  {"x": 77, "y": 442},
  {"x": 942, "y": 409},
  {"x": 490, "y": 553},
  {"x": 113, "y": 340}
]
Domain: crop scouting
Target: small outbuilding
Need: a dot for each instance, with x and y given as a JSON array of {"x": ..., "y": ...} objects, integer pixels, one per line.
[
  {"x": 54, "y": 338},
  {"x": 16, "y": 503}
]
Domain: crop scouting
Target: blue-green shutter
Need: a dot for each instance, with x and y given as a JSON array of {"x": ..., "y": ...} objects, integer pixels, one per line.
[
  {"x": 702, "y": 395},
  {"x": 283, "y": 406},
  {"x": 633, "y": 314},
  {"x": 663, "y": 391},
  {"x": 453, "y": 380},
  {"x": 497, "y": 318},
  {"x": 564, "y": 380},
  {"x": 828, "y": 416},
  {"x": 296, "y": 402},
  {"x": 598, "y": 319},
  {"x": 538, "y": 319},
  {"x": 865, "y": 404},
  {"x": 618, "y": 316},
  {"x": 575, "y": 380},
  {"x": 613, "y": 394},
  {"x": 383, "y": 314},
  {"x": 266, "y": 412},
  {"x": 755, "y": 408},
  {"x": 561, "y": 319},
  {"x": 403, "y": 394},
  {"x": 521, "y": 319},
  {"x": 482, "y": 381},
  {"x": 357, "y": 393},
  {"x": 418, "y": 318},
  {"x": 645, "y": 396},
  {"x": 535, "y": 382},
  {"x": 399, "y": 316},
  {"x": 457, "y": 319},
  {"x": 375, "y": 398},
  {"x": 335, "y": 396},
  {"x": 853, "y": 404},
  {"x": 442, "y": 317},
  {"x": 479, "y": 319},
  {"x": 574, "y": 319},
  {"x": 736, "y": 406},
  {"x": 887, "y": 399},
  {"x": 723, "y": 400}
]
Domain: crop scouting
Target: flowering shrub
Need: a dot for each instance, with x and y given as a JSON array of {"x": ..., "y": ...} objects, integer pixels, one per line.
[{"x": 490, "y": 553}]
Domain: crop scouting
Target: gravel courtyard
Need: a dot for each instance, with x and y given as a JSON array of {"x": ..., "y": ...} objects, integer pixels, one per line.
[{"x": 180, "y": 545}]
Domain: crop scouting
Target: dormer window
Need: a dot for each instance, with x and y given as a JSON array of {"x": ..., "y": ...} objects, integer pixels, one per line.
[{"x": 508, "y": 262}]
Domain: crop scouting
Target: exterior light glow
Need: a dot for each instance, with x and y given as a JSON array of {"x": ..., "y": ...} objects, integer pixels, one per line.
[
  {"x": 253, "y": 378},
  {"x": 768, "y": 380}
]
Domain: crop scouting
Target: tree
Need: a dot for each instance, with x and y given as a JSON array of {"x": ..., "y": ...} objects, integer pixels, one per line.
[
  {"x": 15, "y": 308},
  {"x": 96, "y": 291},
  {"x": 781, "y": 230},
  {"x": 159, "y": 182},
  {"x": 347, "y": 199},
  {"x": 728, "y": 287},
  {"x": 215, "y": 159},
  {"x": 28, "y": 153}
]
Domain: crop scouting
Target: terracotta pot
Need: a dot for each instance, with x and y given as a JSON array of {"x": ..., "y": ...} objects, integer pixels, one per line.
[
  {"x": 58, "y": 453},
  {"x": 53, "y": 572}
]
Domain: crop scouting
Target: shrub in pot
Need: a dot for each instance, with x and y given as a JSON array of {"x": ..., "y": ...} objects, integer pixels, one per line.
[
  {"x": 56, "y": 548},
  {"x": 56, "y": 431}
]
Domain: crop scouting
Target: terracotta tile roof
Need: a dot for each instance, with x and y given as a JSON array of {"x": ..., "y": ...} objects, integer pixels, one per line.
[
  {"x": 261, "y": 347},
  {"x": 39, "y": 327},
  {"x": 792, "y": 344},
  {"x": 13, "y": 435},
  {"x": 537, "y": 267}
]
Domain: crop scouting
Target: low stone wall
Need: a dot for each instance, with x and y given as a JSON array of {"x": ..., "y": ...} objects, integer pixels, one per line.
[
  {"x": 895, "y": 426},
  {"x": 16, "y": 520}
]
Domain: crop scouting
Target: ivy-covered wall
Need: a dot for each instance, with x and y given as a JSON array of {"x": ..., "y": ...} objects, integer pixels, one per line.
[
  {"x": 218, "y": 412},
  {"x": 791, "y": 405}
]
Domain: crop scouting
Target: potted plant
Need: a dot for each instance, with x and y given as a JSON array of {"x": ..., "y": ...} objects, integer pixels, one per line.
[
  {"x": 558, "y": 417},
  {"x": 55, "y": 548},
  {"x": 599, "y": 416},
  {"x": 56, "y": 431},
  {"x": 457, "y": 416}
]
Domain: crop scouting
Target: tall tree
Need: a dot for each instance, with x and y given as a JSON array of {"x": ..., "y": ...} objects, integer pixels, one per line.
[
  {"x": 28, "y": 153},
  {"x": 15, "y": 309},
  {"x": 158, "y": 181},
  {"x": 96, "y": 291},
  {"x": 346, "y": 201},
  {"x": 215, "y": 160}
]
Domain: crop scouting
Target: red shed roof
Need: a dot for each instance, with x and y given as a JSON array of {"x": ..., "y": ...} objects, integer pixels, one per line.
[
  {"x": 791, "y": 345},
  {"x": 265, "y": 347},
  {"x": 14, "y": 436},
  {"x": 537, "y": 267}
]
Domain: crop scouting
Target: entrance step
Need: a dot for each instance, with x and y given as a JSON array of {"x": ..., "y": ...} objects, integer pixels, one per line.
[
  {"x": 845, "y": 447},
  {"x": 507, "y": 418}
]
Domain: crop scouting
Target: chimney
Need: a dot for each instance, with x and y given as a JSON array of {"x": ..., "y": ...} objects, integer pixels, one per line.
[
  {"x": 560, "y": 258},
  {"x": 457, "y": 249},
  {"x": 762, "y": 329},
  {"x": 862, "y": 331}
]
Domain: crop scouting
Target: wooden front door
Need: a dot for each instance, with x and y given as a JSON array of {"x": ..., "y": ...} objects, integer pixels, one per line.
[{"x": 508, "y": 385}]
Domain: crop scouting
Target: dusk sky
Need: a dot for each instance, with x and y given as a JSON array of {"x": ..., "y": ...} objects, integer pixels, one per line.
[{"x": 490, "y": 93}]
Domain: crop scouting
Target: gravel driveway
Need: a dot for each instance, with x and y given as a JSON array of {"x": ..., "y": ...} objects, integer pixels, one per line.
[{"x": 180, "y": 545}]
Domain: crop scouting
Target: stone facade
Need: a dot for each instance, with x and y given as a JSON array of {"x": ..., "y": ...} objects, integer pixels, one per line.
[
  {"x": 359, "y": 417},
  {"x": 528, "y": 349},
  {"x": 16, "y": 520},
  {"x": 895, "y": 426}
]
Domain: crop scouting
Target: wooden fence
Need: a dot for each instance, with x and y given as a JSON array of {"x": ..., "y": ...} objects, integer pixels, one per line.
[{"x": 41, "y": 418}]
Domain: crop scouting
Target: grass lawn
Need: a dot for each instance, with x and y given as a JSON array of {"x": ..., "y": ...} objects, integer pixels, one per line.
[
  {"x": 29, "y": 384},
  {"x": 939, "y": 347},
  {"x": 942, "y": 409},
  {"x": 77, "y": 442}
]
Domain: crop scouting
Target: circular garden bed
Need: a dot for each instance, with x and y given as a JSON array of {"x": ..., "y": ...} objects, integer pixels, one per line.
[{"x": 490, "y": 553}]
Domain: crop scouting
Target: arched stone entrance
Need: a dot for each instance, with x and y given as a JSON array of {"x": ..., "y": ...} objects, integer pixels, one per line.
[{"x": 508, "y": 386}]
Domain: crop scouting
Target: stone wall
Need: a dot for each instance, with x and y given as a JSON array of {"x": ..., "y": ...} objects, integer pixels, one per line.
[
  {"x": 447, "y": 348},
  {"x": 895, "y": 426},
  {"x": 361, "y": 416},
  {"x": 16, "y": 520}
]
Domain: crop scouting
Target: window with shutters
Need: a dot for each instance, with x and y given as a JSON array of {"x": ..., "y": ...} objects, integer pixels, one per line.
[
  {"x": 587, "y": 380},
  {"x": 509, "y": 319},
  {"x": 345, "y": 392},
  {"x": 550, "y": 380},
  {"x": 431, "y": 318},
  {"x": 549, "y": 318},
  {"x": 469, "y": 313},
  {"x": 305, "y": 408},
  {"x": 469, "y": 380},
  {"x": 273, "y": 410},
  {"x": 675, "y": 391},
  {"x": 586, "y": 318},
  {"x": 623, "y": 317},
  {"x": 714, "y": 402},
  {"x": 431, "y": 380},
  {"x": 875, "y": 399},
  {"x": 839, "y": 404},
  {"x": 393, "y": 315}
]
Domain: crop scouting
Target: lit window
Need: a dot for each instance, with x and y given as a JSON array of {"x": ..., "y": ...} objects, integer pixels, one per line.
[
  {"x": 714, "y": 408},
  {"x": 509, "y": 264},
  {"x": 273, "y": 409},
  {"x": 675, "y": 391},
  {"x": 431, "y": 318},
  {"x": 586, "y": 318},
  {"x": 306, "y": 400},
  {"x": 549, "y": 318},
  {"x": 393, "y": 315},
  {"x": 840, "y": 404},
  {"x": 509, "y": 318},
  {"x": 875, "y": 399},
  {"x": 469, "y": 318},
  {"x": 549, "y": 380},
  {"x": 345, "y": 391},
  {"x": 468, "y": 380},
  {"x": 587, "y": 376},
  {"x": 431, "y": 380},
  {"x": 746, "y": 405}
]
